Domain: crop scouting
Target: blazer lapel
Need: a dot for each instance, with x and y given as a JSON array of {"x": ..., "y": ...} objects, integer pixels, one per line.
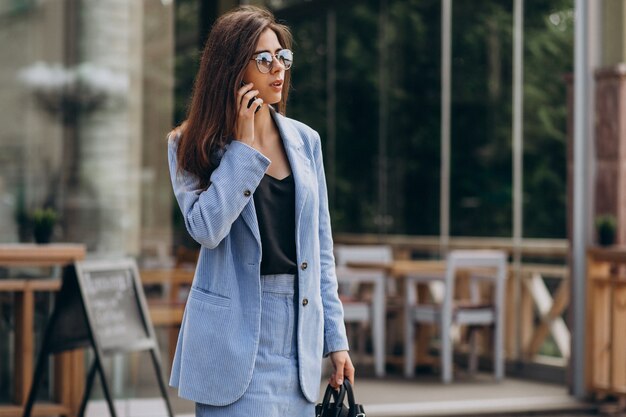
[
  {"x": 300, "y": 168},
  {"x": 249, "y": 216},
  {"x": 300, "y": 165}
]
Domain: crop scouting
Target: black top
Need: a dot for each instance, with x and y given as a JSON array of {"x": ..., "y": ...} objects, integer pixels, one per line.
[{"x": 275, "y": 204}]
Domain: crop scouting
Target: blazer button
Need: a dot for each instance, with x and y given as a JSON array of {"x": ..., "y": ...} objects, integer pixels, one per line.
[
  {"x": 247, "y": 193},
  {"x": 305, "y": 301},
  {"x": 303, "y": 265}
]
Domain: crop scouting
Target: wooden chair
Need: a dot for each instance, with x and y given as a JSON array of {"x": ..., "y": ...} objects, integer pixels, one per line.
[
  {"x": 482, "y": 266},
  {"x": 358, "y": 306},
  {"x": 168, "y": 311}
]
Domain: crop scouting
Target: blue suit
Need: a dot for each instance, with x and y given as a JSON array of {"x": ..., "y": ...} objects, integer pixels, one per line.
[{"x": 219, "y": 335}]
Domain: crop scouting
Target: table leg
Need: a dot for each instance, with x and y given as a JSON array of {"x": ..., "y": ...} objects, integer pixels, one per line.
[
  {"x": 526, "y": 321},
  {"x": 24, "y": 344},
  {"x": 511, "y": 319},
  {"x": 424, "y": 332},
  {"x": 69, "y": 381},
  {"x": 62, "y": 369}
]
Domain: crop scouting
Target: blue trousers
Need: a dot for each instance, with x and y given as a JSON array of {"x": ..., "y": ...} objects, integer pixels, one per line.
[{"x": 275, "y": 387}]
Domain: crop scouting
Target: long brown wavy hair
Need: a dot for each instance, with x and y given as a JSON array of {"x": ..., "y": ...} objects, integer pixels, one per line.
[{"x": 212, "y": 112}]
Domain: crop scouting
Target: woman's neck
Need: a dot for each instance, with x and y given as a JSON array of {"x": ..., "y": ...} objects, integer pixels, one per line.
[{"x": 264, "y": 128}]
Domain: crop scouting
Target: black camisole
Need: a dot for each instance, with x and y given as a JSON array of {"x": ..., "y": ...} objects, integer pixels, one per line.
[{"x": 275, "y": 205}]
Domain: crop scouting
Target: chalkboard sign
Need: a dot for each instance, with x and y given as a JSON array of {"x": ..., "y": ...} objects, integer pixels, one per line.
[
  {"x": 101, "y": 305},
  {"x": 115, "y": 305}
]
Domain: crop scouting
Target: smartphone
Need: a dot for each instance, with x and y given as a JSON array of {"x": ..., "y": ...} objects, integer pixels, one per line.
[{"x": 251, "y": 100}]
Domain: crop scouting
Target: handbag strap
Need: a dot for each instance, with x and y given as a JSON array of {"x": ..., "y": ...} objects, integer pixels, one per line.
[
  {"x": 356, "y": 410},
  {"x": 348, "y": 387},
  {"x": 337, "y": 396}
]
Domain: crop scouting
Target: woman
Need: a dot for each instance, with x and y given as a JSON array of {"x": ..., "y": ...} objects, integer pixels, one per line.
[{"x": 263, "y": 309}]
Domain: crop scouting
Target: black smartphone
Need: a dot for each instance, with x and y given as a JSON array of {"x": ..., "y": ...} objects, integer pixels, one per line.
[{"x": 251, "y": 100}]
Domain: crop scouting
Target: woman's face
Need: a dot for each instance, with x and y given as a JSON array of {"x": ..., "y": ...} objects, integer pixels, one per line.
[{"x": 270, "y": 85}]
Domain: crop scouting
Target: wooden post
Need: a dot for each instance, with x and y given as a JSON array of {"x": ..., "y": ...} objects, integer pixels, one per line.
[
  {"x": 598, "y": 328},
  {"x": 511, "y": 320},
  {"x": 526, "y": 319},
  {"x": 618, "y": 337},
  {"x": 24, "y": 344}
]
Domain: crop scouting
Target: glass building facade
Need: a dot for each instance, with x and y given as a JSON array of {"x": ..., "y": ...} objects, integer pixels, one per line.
[{"x": 90, "y": 90}]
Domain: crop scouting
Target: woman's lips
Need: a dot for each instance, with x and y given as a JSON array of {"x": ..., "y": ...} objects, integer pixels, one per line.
[{"x": 277, "y": 85}]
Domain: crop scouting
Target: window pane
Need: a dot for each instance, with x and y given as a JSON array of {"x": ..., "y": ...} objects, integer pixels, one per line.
[
  {"x": 481, "y": 161},
  {"x": 549, "y": 46},
  {"x": 413, "y": 144}
]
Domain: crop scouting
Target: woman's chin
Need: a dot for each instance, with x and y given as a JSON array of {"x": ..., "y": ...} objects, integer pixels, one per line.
[{"x": 274, "y": 98}]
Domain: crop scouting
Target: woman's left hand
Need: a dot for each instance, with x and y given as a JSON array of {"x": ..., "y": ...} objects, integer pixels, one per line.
[{"x": 343, "y": 368}]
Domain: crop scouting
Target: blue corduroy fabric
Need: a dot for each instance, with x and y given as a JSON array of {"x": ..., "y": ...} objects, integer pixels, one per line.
[
  {"x": 221, "y": 327},
  {"x": 274, "y": 390}
]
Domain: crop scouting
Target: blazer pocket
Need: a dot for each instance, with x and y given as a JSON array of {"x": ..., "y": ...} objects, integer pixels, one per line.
[{"x": 209, "y": 297}]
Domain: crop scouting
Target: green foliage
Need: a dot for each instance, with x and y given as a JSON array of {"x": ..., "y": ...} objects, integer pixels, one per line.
[
  {"x": 43, "y": 221},
  {"x": 482, "y": 77},
  {"x": 606, "y": 222},
  {"x": 606, "y": 225},
  {"x": 548, "y": 58},
  {"x": 481, "y": 185},
  {"x": 44, "y": 218}
]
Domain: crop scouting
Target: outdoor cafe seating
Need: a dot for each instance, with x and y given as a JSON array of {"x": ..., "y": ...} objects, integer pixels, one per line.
[
  {"x": 433, "y": 295},
  {"x": 361, "y": 310},
  {"x": 481, "y": 266}
]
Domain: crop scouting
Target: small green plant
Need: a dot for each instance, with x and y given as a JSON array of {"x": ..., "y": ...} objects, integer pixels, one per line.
[
  {"x": 43, "y": 221},
  {"x": 606, "y": 226}
]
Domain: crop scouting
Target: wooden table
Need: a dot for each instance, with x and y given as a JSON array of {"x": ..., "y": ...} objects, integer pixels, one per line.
[
  {"x": 400, "y": 270},
  {"x": 69, "y": 366},
  {"x": 523, "y": 345}
]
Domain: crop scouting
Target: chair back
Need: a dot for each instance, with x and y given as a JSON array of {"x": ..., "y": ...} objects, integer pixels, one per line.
[
  {"x": 484, "y": 265},
  {"x": 362, "y": 292},
  {"x": 362, "y": 253},
  {"x": 349, "y": 279}
]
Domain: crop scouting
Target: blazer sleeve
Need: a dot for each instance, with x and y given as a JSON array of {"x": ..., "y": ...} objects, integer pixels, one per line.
[
  {"x": 209, "y": 214},
  {"x": 334, "y": 328}
]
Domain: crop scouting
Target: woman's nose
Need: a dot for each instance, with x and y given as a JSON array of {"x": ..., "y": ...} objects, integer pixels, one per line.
[{"x": 278, "y": 66}]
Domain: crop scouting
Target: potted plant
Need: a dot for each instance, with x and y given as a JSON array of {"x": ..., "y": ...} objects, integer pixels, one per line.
[
  {"x": 606, "y": 225},
  {"x": 43, "y": 221}
]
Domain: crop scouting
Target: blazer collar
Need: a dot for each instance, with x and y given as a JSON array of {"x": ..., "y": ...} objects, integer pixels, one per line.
[
  {"x": 289, "y": 134},
  {"x": 300, "y": 168}
]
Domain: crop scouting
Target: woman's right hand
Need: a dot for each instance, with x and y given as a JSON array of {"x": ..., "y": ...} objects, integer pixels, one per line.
[{"x": 244, "y": 129}]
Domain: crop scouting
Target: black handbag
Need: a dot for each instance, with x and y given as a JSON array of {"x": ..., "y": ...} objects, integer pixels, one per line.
[{"x": 337, "y": 408}]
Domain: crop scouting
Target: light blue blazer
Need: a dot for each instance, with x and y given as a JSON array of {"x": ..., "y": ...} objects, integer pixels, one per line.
[{"x": 219, "y": 334}]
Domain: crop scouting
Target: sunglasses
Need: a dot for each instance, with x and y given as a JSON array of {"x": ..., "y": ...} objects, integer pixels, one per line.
[{"x": 265, "y": 60}]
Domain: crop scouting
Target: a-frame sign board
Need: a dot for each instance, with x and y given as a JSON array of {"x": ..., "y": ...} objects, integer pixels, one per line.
[{"x": 101, "y": 305}]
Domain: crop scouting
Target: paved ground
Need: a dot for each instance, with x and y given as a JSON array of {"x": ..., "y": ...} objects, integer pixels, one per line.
[{"x": 389, "y": 397}]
